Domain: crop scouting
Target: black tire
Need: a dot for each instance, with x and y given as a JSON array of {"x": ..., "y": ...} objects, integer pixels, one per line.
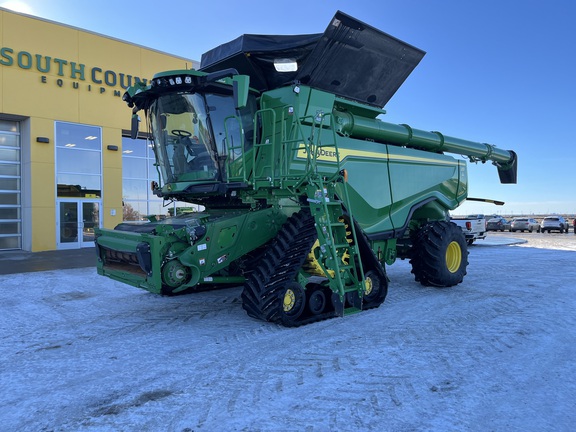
[
  {"x": 439, "y": 254},
  {"x": 317, "y": 300}
]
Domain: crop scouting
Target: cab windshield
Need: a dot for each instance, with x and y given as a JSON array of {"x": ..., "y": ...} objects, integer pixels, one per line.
[
  {"x": 185, "y": 146},
  {"x": 196, "y": 135}
]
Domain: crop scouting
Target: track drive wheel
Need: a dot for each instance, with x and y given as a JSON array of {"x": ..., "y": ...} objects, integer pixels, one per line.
[{"x": 439, "y": 254}]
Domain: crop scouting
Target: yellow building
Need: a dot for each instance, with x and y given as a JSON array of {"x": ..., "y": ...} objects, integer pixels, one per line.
[{"x": 67, "y": 163}]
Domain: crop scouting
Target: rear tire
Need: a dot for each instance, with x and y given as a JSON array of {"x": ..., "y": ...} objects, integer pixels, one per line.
[{"x": 439, "y": 254}]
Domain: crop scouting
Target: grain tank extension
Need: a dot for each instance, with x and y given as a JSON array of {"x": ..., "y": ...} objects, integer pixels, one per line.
[{"x": 306, "y": 193}]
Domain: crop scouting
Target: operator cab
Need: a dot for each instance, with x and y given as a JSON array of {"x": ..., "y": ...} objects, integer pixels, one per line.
[
  {"x": 196, "y": 134},
  {"x": 202, "y": 125}
]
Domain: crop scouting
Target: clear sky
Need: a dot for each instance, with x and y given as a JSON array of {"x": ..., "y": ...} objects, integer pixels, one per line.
[{"x": 496, "y": 71}]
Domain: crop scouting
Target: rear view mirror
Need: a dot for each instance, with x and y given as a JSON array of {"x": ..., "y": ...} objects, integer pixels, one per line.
[
  {"x": 134, "y": 126},
  {"x": 240, "y": 87}
]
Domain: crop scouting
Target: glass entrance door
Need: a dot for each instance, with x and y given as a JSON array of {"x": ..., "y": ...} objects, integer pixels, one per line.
[{"x": 76, "y": 221}]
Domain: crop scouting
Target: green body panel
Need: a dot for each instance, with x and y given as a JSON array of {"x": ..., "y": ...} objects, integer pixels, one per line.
[
  {"x": 227, "y": 236},
  {"x": 386, "y": 182}
]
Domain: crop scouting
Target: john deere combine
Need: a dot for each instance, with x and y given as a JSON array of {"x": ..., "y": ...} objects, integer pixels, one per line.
[{"x": 307, "y": 194}]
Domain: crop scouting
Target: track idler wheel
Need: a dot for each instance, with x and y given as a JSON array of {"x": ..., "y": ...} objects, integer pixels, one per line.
[
  {"x": 375, "y": 290},
  {"x": 293, "y": 302},
  {"x": 317, "y": 300}
]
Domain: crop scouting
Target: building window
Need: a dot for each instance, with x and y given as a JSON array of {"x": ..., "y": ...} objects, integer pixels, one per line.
[
  {"x": 10, "y": 186},
  {"x": 78, "y": 161},
  {"x": 138, "y": 171}
]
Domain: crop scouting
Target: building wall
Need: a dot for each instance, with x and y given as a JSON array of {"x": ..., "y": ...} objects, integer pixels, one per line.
[{"x": 52, "y": 72}]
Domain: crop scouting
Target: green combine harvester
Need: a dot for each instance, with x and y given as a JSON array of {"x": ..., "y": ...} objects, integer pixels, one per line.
[{"x": 307, "y": 194}]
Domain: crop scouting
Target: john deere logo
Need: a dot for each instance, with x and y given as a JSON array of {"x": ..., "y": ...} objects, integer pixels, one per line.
[{"x": 331, "y": 155}]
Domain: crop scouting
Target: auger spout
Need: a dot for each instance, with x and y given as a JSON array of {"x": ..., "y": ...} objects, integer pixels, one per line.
[{"x": 355, "y": 126}]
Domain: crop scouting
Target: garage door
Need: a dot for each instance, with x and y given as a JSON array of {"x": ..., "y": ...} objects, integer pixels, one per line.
[{"x": 10, "y": 169}]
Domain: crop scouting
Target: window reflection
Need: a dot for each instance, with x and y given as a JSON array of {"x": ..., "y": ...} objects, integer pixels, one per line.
[
  {"x": 134, "y": 148},
  {"x": 78, "y": 160},
  {"x": 78, "y": 185},
  {"x": 78, "y": 136},
  {"x": 133, "y": 167},
  {"x": 134, "y": 189},
  {"x": 138, "y": 171}
]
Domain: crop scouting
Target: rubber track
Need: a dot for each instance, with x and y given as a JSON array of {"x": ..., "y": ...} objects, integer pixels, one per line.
[
  {"x": 280, "y": 264},
  {"x": 370, "y": 262}
]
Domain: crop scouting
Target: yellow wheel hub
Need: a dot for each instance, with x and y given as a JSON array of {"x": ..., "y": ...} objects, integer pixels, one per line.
[
  {"x": 289, "y": 300},
  {"x": 368, "y": 286},
  {"x": 453, "y": 257}
]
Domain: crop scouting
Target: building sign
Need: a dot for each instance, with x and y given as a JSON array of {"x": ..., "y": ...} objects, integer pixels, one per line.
[{"x": 92, "y": 78}]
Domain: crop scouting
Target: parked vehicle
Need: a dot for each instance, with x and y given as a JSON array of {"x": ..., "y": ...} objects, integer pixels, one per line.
[
  {"x": 497, "y": 224},
  {"x": 554, "y": 223},
  {"x": 524, "y": 224},
  {"x": 473, "y": 226}
]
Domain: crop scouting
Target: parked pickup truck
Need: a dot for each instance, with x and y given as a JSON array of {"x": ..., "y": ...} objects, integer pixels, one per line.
[{"x": 474, "y": 226}]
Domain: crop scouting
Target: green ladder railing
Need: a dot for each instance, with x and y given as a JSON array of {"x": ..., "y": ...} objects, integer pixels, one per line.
[{"x": 338, "y": 252}]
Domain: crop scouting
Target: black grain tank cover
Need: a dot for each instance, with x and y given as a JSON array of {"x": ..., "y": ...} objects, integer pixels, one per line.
[{"x": 350, "y": 59}]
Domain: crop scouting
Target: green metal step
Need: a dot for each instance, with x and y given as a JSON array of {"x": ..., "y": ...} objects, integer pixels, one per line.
[
  {"x": 351, "y": 311},
  {"x": 342, "y": 245},
  {"x": 337, "y": 224}
]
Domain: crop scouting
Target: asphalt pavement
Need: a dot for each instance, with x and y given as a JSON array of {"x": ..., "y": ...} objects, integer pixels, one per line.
[{"x": 23, "y": 262}]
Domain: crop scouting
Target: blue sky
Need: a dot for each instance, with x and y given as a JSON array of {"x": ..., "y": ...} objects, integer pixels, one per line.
[{"x": 496, "y": 71}]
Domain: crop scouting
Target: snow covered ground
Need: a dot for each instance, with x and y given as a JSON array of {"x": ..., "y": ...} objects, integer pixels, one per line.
[{"x": 79, "y": 352}]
